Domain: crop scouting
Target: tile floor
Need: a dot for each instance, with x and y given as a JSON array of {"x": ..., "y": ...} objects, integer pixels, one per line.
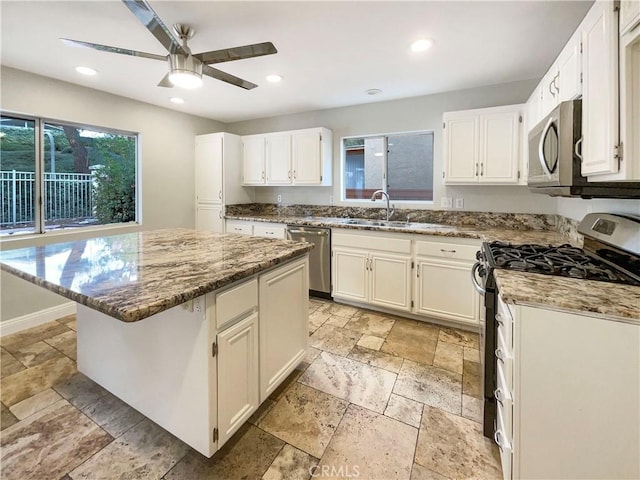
[{"x": 377, "y": 397}]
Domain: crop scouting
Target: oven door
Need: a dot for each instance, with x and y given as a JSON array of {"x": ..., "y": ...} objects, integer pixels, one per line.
[{"x": 544, "y": 149}]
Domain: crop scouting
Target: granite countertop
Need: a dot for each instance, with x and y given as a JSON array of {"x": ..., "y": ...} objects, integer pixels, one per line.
[
  {"x": 546, "y": 237},
  {"x": 603, "y": 299},
  {"x": 135, "y": 275}
]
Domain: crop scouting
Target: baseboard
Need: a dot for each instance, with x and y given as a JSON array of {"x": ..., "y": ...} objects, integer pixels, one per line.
[{"x": 34, "y": 319}]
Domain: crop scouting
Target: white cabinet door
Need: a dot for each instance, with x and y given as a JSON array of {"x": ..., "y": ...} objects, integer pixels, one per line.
[
  {"x": 253, "y": 160},
  {"x": 549, "y": 90},
  {"x": 209, "y": 218},
  {"x": 284, "y": 323},
  {"x": 350, "y": 274},
  {"x": 307, "y": 155},
  {"x": 461, "y": 149},
  {"x": 278, "y": 159},
  {"x": 208, "y": 169},
  {"x": 599, "y": 90},
  {"x": 390, "y": 281},
  {"x": 499, "y": 147},
  {"x": 238, "y": 371},
  {"x": 444, "y": 290},
  {"x": 533, "y": 110},
  {"x": 568, "y": 81}
]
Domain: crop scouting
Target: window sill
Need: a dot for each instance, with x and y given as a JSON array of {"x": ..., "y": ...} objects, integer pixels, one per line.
[{"x": 19, "y": 240}]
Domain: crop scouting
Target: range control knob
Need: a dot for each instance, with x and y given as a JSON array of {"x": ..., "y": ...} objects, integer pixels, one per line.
[{"x": 479, "y": 255}]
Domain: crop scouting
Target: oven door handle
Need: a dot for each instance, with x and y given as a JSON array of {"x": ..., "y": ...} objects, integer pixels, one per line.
[
  {"x": 474, "y": 280},
  {"x": 541, "y": 159}
]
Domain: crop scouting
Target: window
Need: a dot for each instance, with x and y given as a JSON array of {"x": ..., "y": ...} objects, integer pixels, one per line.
[
  {"x": 399, "y": 164},
  {"x": 84, "y": 176}
]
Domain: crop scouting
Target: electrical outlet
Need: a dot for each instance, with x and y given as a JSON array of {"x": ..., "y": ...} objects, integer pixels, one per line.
[
  {"x": 330, "y": 199},
  {"x": 279, "y": 198},
  {"x": 446, "y": 202},
  {"x": 459, "y": 202},
  {"x": 197, "y": 305}
]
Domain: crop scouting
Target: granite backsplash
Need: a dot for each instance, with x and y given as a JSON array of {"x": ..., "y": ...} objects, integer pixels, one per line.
[{"x": 514, "y": 221}]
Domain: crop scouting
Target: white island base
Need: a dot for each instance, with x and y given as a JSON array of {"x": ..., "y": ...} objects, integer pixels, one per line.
[{"x": 201, "y": 369}]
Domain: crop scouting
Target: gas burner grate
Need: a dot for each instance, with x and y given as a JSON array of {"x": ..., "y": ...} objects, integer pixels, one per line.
[{"x": 564, "y": 260}]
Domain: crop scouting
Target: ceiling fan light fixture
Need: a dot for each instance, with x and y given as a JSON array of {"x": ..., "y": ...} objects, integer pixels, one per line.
[
  {"x": 185, "y": 71},
  {"x": 421, "y": 45}
]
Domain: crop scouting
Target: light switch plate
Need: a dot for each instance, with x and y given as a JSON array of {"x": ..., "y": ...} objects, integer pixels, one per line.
[
  {"x": 459, "y": 202},
  {"x": 279, "y": 198}
]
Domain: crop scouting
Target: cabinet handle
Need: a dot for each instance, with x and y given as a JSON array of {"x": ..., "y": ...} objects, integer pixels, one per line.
[
  {"x": 447, "y": 251},
  {"x": 481, "y": 169},
  {"x": 220, "y": 194},
  {"x": 499, "y": 320},
  {"x": 476, "y": 174},
  {"x": 500, "y": 354},
  {"x": 263, "y": 175},
  {"x": 550, "y": 85},
  {"x": 557, "y": 77},
  {"x": 294, "y": 175},
  {"x": 220, "y": 214},
  {"x": 499, "y": 395},
  {"x": 289, "y": 174},
  {"x": 497, "y": 437}
]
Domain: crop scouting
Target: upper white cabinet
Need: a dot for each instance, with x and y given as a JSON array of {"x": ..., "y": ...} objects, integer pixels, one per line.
[
  {"x": 483, "y": 146},
  {"x": 298, "y": 157},
  {"x": 599, "y": 32},
  {"x": 217, "y": 179},
  {"x": 629, "y": 15},
  {"x": 253, "y": 160}
]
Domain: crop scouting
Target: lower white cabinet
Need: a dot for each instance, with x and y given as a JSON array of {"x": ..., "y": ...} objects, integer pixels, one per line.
[
  {"x": 374, "y": 269},
  {"x": 209, "y": 218},
  {"x": 238, "y": 369},
  {"x": 284, "y": 295},
  {"x": 442, "y": 285},
  {"x": 570, "y": 391}
]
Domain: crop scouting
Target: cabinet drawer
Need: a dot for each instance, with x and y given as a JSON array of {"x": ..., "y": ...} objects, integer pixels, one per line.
[
  {"x": 372, "y": 242},
  {"x": 232, "y": 303},
  {"x": 269, "y": 230},
  {"x": 240, "y": 228},
  {"x": 504, "y": 444},
  {"x": 447, "y": 250},
  {"x": 504, "y": 318}
]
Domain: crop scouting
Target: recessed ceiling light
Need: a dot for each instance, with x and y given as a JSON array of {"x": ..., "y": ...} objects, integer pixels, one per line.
[
  {"x": 273, "y": 78},
  {"x": 421, "y": 45},
  {"x": 373, "y": 91},
  {"x": 177, "y": 100},
  {"x": 86, "y": 70}
]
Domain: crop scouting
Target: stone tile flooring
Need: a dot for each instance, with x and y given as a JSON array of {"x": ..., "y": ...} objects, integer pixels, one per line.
[{"x": 377, "y": 397}]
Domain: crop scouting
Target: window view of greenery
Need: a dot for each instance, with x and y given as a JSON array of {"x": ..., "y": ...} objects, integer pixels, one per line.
[
  {"x": 88, "y": 176},
  {"x": 399, "y": 164}
]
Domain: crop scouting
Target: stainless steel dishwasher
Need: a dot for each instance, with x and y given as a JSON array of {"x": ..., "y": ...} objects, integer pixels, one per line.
[{"x": 319, "y": 257}]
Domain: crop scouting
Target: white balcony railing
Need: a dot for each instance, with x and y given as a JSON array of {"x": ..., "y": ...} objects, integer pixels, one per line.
[{"x": 67, "y": 198}]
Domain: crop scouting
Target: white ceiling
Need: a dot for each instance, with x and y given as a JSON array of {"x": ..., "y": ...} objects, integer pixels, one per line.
[{"x": 329, "y": 53}]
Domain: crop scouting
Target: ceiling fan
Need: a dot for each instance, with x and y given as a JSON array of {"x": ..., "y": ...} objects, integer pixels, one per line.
[{"x": 185, "y": 69}]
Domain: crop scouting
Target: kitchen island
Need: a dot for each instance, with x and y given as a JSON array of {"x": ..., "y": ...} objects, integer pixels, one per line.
[{"x": 193, "y": 329}]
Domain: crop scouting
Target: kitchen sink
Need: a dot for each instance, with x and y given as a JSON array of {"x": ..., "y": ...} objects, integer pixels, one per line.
[{"x": 376, "y": 223}]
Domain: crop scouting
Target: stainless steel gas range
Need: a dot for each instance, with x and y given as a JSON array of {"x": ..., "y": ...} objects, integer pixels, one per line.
[{"x": 611, "y": 253}]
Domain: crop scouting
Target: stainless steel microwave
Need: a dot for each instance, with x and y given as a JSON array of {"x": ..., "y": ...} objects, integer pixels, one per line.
[{"x": 555, "y": 158}]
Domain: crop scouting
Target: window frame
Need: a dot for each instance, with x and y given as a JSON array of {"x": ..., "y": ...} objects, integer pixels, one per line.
[
  {"x": 39, "y": 227},
  {"x": 385, "y": 136}
]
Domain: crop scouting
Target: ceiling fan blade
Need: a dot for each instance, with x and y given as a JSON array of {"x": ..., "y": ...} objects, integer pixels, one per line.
[
  {"x": 237, "y": 53},
  {"x": 106, "y": 48},
  {"x": 165, "y": 82},
  {"x": 143, "y": 12},
  {"x": 227, "y": 77}
]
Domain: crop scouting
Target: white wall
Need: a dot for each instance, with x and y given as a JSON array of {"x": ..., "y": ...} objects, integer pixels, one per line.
[
  {"x": 411, "y": 114},
  {"x": 577, "y": 208},
  {"x": 167, "y": 162}
]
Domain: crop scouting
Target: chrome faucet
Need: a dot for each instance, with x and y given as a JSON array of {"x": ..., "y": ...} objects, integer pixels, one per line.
[{"x": 386, "y": 195}]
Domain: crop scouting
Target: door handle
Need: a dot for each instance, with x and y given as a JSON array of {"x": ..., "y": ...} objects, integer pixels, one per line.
[{"x": 541, "y": 159}]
